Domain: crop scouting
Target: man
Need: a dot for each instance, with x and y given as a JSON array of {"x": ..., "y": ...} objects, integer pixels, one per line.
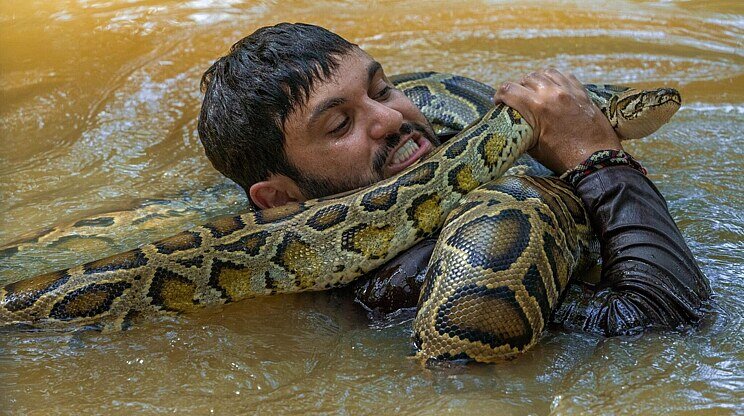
[{"x": 296, "y": 112}]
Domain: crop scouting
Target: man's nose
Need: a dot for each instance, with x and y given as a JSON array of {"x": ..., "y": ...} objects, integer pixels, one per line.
[{"x": 383, "y": 120}]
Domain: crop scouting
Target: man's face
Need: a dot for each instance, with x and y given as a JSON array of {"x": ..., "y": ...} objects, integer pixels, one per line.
[{"x": 355, "y": 130}]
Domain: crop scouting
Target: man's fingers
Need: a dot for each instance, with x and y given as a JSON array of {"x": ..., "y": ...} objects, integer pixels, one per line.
[
  {"x": 574, "y": 79},
  {"x": 557, "y": 77},
  {"x": 568, "y": 81},
  {"x": 567, "y": 126},
  {"x": 535, "y": 81},
  {"x": 517, "y": 97},
  {"x": 509, "y": 89}
]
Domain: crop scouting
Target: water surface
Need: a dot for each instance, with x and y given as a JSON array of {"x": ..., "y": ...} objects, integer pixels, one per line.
[{"x": 99, "y": 106}]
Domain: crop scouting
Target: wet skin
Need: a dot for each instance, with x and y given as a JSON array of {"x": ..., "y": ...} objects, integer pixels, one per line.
[{"x": 355, "y": 130}]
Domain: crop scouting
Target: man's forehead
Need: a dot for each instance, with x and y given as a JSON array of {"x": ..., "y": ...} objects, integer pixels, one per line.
[
  {"x": 353, "y": 68},
  {"x": 356, "y": 63}
]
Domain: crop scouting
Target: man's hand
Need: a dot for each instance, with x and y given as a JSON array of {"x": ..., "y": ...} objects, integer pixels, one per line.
[{"x": 567, "y": 124}]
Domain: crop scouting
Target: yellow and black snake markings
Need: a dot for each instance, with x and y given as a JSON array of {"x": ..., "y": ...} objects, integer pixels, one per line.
[
  {"x": 368, "y": 240},
  {"x": 172, "y": 292},
  {"x": 225, "y": 226},
  {"x": 279, "y": 214},
  {"x": 179, "y": 242},
  {"x": 625, "y": 106},
  {"x": 382, "y": 198},
  {"x": 99, "y": 231},
  {"x": 426, "y": 214},
  {"x": 451, "y": 98},
  {"x": 505, "y": 255},
  {"x": 24, "y": 293},
  {"x": 328, "y": 217},
  {"x": 128, "y": 260},
  {"x": 233, "y": 280},
  {"x": 250, "y": 244},
  {"x": 88, "y": 301},
  {"x": 196, "y": 261},
  {"x": 500, "y": 268},
  {"x": 300, "y": 259}
]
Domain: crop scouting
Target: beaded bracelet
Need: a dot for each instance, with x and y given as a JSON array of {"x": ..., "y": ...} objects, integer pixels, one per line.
[{"x": 599, "y": 160}]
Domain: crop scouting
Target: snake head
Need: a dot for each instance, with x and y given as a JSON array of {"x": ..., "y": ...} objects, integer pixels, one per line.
[{"x": 642, "y": 112}]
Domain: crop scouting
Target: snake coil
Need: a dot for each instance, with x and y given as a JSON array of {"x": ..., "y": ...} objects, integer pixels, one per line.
[{"x": 506, "y": 252}]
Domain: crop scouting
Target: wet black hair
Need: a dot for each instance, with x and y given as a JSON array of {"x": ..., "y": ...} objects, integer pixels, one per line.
[{"x": 249, "y": 93}]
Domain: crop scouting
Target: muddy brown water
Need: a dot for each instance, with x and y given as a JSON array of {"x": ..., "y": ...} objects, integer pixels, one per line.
[{"x": 98, "y": 113}]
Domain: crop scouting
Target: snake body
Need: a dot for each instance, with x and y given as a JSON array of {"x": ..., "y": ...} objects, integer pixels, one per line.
[{"x": 328, "y": 242}]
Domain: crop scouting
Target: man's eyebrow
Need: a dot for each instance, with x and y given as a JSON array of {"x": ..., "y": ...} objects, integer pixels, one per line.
[
  {"x": 323, "y": 107},
  {"x": 372, "y": 70},
  {"x": 328, "y": 104}
]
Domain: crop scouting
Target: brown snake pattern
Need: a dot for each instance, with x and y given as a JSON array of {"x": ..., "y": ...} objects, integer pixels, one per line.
[{"x": 514, "y": 282}]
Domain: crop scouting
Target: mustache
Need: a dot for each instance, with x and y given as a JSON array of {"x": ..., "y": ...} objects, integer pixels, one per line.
[
  {"x": 314, "y": 187},
  {"x": 392, "y": 140}
]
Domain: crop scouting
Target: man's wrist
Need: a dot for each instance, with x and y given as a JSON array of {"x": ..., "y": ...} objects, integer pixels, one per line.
[{"x": 598, "y": 160}]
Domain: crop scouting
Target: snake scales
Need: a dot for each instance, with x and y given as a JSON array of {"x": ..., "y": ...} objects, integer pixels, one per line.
[{"x": 505, "y": 254}]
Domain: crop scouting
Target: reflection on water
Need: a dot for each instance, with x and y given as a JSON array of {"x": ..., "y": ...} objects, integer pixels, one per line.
[{"x": 99, "y": 105}]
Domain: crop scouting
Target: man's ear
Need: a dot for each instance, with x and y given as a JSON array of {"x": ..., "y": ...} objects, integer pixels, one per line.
[{"x": 278, "y": 190}]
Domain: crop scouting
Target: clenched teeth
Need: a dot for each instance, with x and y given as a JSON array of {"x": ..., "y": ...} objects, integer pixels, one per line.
[{"x": 405, "y": 151}]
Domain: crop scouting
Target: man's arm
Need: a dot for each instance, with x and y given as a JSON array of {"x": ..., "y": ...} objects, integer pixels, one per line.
[{"x": 649, "y": 276}]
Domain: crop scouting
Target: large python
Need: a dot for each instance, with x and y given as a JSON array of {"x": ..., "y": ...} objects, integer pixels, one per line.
[{"x": 499, "y": 268}]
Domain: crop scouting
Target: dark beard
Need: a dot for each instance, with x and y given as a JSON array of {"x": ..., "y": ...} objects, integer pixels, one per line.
[{"x": 313, "y": 187}]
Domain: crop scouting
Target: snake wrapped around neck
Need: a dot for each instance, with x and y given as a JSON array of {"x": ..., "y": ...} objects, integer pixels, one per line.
[{"x": 482, "y": 288}]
